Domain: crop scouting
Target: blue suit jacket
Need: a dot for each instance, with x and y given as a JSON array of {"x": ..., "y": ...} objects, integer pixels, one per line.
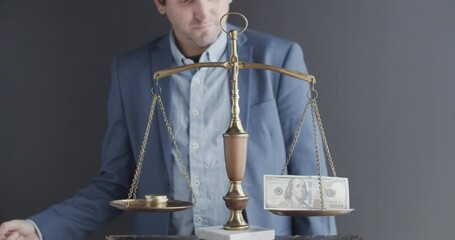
[{"x": 271, "y": 105}]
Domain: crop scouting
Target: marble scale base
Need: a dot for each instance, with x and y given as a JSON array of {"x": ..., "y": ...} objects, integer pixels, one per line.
[{"x": 218, "y": 233}]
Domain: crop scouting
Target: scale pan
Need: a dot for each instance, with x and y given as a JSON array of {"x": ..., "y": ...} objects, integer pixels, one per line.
[
  {"x": 144, "y": 205},
  {"x": 307, "y": 213}
]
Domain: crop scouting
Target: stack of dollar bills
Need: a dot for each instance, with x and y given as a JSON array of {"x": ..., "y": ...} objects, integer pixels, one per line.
[{"x": 289, "y": 192}]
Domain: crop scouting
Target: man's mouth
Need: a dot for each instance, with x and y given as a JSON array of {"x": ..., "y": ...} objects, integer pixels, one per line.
[{"x": 203, "y": 26}]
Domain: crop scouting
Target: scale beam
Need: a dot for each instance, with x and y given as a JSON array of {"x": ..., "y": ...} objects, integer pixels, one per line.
[
  {"x": 230, "y": 65},
  {"x": 299, "y": 75},
  {"x": 174, "y": 70}
]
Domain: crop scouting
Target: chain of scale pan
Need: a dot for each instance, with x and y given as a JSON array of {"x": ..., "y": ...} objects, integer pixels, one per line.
[
  {"x": 316, "y": 117},
  {"x": 137, "y": 174},
  {"x": 179, "y": 155},
  {"x": 311, "y": 101},
  {"x": 296, "y": 138},
  {"x": 134, "y": 186},
  {"x": 324, "y": 139},
  {"x": 316, "y": 148}
]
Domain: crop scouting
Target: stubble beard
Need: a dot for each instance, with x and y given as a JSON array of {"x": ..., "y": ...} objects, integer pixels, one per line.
[{"x": 205, "y": 39}]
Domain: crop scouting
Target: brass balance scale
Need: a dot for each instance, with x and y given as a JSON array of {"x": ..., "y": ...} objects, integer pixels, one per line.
[{"x": 235, "y": 145}]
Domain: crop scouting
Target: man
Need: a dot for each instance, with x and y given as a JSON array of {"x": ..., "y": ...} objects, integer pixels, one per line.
[
  {"x": 199, "y": 112},
  {"x": 296, "y": 195}
]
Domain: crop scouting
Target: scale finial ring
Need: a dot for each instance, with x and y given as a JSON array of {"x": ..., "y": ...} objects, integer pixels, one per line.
[{"x": 234, "y": 13}]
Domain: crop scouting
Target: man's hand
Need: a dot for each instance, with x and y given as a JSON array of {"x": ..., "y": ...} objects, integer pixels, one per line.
[{"x": 18, "y": 230}]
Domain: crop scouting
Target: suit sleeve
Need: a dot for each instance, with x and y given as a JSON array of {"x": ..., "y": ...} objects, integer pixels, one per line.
[
  {"x": 89, "y": 208},
  {"x": 291, "y": 101}
]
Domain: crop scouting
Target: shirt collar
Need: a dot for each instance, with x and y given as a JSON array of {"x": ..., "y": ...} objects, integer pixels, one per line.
[{"x": 212, "y": 54}]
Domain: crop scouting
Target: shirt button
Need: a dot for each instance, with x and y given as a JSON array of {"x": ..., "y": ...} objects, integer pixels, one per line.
[
  {"x": 195, "y": 112},
  {"x": 197, "y": 183},
  {"x": 197, "y": 80},
  {"x": 199, "y": 220},
  {"x": 195, "y": 145}
]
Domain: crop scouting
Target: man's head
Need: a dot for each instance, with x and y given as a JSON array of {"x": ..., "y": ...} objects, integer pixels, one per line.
[
  {"x": 296, "y": 189},
  {"x": 195, "y": 23}
]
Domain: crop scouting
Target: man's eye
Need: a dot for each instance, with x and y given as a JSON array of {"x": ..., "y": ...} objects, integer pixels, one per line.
[{"x": 183, "y": 1}]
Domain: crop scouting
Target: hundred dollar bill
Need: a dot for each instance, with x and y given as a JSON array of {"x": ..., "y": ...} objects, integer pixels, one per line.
[{"x": 287, "y": 192}]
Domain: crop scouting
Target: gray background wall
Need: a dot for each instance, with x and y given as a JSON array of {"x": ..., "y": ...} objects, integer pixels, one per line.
[{"x": 386, "y": 71}]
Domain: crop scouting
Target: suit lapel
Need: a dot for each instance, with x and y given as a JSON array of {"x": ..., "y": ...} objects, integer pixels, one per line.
[
  {"x": 161, "y": 59},
  {"x": 245, "y": 53}
]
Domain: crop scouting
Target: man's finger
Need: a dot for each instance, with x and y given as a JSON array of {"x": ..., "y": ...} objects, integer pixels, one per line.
[
  {"x": 5, "y": 228},
  {"x": 13, "y": 236},
  {"x": 9, "y": 226}
]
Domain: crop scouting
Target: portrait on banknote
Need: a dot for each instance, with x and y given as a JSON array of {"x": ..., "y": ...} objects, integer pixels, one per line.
[{"x": 296, "y": 195}]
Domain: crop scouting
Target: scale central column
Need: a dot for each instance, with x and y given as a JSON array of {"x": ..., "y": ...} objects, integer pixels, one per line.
[{"x": 235, "y": 150}]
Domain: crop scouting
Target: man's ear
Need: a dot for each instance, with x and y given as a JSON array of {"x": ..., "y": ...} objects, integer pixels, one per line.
[{"x": 160, "y": 6}]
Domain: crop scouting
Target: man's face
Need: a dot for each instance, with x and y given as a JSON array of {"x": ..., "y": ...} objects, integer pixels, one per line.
[
  {"x": 195, "y": 22},
  {"x": 298, "y": 189}
]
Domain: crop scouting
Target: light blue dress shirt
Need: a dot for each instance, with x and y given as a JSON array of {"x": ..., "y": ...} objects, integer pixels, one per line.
[{"x": 200, "y": 107}]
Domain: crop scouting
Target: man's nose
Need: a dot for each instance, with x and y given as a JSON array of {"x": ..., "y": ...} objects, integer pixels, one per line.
[{"x": 201, "y": 9}]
